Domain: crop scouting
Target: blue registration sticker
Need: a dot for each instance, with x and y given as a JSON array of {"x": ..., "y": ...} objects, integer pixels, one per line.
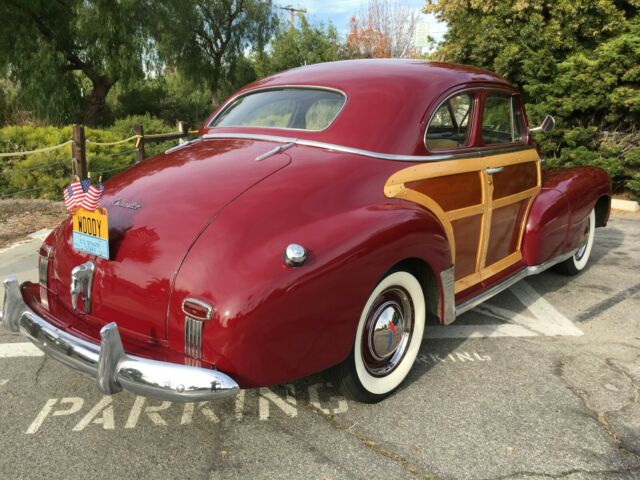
[{"x": 89, "y": 244}]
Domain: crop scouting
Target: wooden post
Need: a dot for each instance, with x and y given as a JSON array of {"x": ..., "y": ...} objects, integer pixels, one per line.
[
  {"x": 139, "y": 130},
  {"x": 79, "y": 152},
  {"x": 183, "y": 128}
]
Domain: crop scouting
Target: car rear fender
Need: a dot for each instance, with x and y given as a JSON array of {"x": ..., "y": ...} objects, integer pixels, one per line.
[{"x": 272, "y": 322}]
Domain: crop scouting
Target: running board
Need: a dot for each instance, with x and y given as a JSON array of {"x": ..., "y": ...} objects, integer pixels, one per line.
[{"x": 496, "y": 289}]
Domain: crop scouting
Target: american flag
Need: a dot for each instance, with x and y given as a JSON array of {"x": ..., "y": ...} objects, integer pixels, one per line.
[
  {"x": 82, "y": 194},
  {"x": 73, "y": 194},
  {"x": 92, "y": 195}
]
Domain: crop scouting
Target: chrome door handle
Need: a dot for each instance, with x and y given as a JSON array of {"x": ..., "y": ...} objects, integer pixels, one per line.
[{"x": 494, "y": 170}]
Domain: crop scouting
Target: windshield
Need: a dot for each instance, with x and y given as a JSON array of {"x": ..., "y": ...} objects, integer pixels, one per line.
[{"x": 296, "y": 108}]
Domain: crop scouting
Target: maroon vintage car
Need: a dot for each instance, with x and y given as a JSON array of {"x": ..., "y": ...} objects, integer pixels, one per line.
[{"x": 318, "y": 218}]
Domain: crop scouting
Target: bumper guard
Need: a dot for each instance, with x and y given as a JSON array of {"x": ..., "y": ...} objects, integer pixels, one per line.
[{"x": 113, "y": 369}]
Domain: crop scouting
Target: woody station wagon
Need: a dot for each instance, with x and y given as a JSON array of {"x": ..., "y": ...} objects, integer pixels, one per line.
[{"x": 319, "y": 217}]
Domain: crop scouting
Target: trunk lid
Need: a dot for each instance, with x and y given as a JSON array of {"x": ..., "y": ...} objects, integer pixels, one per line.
[{"x": 156, "y": 210}]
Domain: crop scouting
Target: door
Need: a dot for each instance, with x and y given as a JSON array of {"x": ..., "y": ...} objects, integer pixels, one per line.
[
  {"x": 512, "y": 180},
  {"x": 454, "y": 187},
  {"x": 480, "y": 183}
]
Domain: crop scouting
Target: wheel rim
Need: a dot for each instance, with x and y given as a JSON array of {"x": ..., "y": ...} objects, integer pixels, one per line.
[
  {"x": 387, "y": 332},
  {"x": 580, "y": 253}
]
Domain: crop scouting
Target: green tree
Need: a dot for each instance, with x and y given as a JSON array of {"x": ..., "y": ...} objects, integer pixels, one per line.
[
  {"x": 206, "y": 39},
  {"x": 578, "y": 60},
  {"x": 57, "y": 50},
  {"x": 295, "y": 47}
]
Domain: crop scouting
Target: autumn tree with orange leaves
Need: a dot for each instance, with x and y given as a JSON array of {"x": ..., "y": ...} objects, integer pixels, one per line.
[{"x": 383, "y": 29}]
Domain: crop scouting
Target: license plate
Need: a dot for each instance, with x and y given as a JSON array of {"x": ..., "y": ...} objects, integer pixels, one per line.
[{"x": 91, "y": 232}]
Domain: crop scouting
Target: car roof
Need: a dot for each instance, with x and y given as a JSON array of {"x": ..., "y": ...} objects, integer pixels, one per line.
[
  {"x": 347, "y": 74},
  {"x": 386, "y": 99}
]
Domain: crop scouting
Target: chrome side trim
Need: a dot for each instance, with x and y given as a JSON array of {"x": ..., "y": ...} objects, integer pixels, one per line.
[
  {"x": 496, "y": 289},
  {"x": 448, "y": 308},
  {"x": 108, "y": 363},
  {"x": 469, "y": 153}
]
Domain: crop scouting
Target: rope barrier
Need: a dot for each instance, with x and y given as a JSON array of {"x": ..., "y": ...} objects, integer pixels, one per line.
[
  {"x": 31, "y": 152},
  {"x": 109, "y": 144},
  {"x": 39, "y": 167},
  {"x": 160, "y": 135},
  {"x": 23, "y": 191}
]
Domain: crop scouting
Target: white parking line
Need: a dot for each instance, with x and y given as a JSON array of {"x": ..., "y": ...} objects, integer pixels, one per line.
[
  {"x": 9, "y": 350},
  {"x": 478, "y": 331},
  {"x": 545, "y": 320}
]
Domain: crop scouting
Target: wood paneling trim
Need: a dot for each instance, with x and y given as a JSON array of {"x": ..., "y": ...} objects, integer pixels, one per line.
[
  {"x": 515, "y": 198},
  {"x": 396, "y": 187},
  {"x": 465, "y": 212}
]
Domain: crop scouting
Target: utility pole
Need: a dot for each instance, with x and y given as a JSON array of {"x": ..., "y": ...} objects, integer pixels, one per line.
[{"x": 292, "y": 11}]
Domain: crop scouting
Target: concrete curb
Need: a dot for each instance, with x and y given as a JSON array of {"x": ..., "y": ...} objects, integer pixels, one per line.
[{"x": 625, "y": 205}]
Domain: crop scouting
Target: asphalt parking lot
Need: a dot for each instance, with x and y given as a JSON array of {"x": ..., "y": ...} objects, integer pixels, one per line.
[{"x": 541, "y": 382}]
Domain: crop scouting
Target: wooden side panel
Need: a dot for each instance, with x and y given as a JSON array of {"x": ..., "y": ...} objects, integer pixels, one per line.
[
  {"x": 451, "y": 192},
  {"x": 483, "y": 212},
  {"x": 505, "y": 231},
  {"x": 466, "y": 232},
  {"x": 514, "y": 179}
]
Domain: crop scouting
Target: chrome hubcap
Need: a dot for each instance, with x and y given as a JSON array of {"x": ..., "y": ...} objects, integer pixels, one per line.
[
  {"x": 387, "y": 331},
  {"x": 580, "y": 253}
]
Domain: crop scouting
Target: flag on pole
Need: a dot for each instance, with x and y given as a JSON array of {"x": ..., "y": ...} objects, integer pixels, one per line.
[
  {"x": 92, "y": 196},
  {"x": 82, "y": 194},
  {"x": 73, "y": 195}
]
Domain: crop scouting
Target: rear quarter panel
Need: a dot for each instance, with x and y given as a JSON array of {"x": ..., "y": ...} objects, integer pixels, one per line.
[{"x": 274, "y": 323}]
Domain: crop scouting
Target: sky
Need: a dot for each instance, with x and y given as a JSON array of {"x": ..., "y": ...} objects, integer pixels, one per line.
[{"x": 339, "y": 12}]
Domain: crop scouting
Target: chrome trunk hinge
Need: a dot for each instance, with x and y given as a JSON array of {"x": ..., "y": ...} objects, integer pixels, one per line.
[{"x": 81, "y": 282}]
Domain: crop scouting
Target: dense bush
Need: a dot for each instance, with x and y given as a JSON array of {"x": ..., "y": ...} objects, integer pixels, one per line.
[
  {"x": 44, "y": 175},
  {"x": 578, "y": 60}
]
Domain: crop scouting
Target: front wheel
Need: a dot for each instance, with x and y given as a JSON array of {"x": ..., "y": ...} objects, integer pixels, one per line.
[
  {"x": 387, "y": 340},
  {"x": 575, "y": 264}
]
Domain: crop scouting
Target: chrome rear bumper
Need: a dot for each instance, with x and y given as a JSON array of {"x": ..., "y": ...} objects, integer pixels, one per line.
[{"x": 113, "y": 369}]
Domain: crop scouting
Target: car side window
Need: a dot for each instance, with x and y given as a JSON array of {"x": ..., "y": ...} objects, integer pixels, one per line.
[
  {"x": 450, "y": 125},
  {"x": 501, "y": 120}
]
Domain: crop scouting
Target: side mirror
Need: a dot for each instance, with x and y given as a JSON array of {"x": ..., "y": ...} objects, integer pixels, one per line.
[{"x": 548, "y": 124}]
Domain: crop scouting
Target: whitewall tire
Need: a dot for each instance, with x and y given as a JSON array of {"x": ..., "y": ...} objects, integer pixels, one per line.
[
  {"x": 387, "y": 339},
  {"x": 578, "y": 262}
]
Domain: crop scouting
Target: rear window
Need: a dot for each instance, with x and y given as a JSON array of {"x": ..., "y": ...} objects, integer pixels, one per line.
[{"x": 294, "y": 108}]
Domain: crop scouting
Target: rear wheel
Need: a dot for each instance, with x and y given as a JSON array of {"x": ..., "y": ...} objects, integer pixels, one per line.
[
  {"x": 387, "y": 340},
  {"x": 578, "y": 262}
]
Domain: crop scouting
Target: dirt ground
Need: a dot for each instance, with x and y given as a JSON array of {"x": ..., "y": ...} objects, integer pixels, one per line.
[{"x": 19, "y": 218}]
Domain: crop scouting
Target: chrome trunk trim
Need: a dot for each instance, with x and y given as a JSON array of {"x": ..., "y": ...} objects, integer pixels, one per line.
[
  {"x": 193, "y": 337},
  {"x": 108, "y": 362},
  {"x": 496, "y": 289}
]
